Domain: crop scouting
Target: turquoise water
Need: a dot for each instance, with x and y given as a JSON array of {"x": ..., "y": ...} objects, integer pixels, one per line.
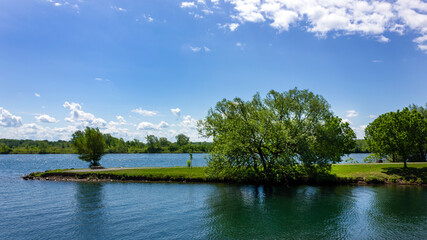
[{"x": 69, "y": 210}]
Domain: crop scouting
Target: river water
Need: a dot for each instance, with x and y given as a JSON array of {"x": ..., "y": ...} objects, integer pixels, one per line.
[{"x": 70, "y": 210}]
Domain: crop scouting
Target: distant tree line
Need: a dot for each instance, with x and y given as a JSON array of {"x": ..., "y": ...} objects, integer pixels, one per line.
[{"x": 153, "y": 144}]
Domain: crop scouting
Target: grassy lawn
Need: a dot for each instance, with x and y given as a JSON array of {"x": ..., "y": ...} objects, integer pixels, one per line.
[{"x": 384, "y": 172}]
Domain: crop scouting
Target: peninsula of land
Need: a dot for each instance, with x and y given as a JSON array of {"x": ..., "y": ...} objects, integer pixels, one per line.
[{"x": 372, "y": 173}]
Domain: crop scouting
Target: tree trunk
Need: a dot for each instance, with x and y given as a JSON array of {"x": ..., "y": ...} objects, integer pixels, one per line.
[{"x": 404, "y": 163}]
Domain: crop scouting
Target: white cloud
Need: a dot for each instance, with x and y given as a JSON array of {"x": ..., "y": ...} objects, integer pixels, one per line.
[
  {"x": 81, "y": 118},
  {"x": 9, "y": 120},
  {"x": 230, "y": 26},
  {"x": 57, "y": 4},
  {"x": 195, "y": 49},
  {"x": 377, "y": 61},
  {"x": 206, "y": 49},
  {"x": 144, "y": 112},
  {"x": 364, "y": 17},
  {"x": 36, "y": 94},
  {"x": 372, "y": 116},
  {"x": 352, "y": 113},
  {"x": 248, "y": 10},
  {"x": 151, "y": 126},
  {"x": 148, "y": 18},
  {"x": 207, "y": 11},
  {"x": 46, "y": 119},
  {"x": 118, "y": 9},
  {"x": 383, "y": 39},
  {"x": 188, "y": 5},
  {"x": 360, "y": 131},
  {"x": 188, "y": 122},
  {"x": 36, "y": 132},
  {"x": 98, "y": 79},
  {"x": 176, "y": 111},
  {"x": 120, "y": 121},
  {"x": 346, "y": 120}
]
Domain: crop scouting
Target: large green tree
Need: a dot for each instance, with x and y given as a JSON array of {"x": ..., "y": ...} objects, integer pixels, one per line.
[
  {"x": 267, "y": 138},
  {"x": 90, "y": 145},
  {"x": 400, "y": 135},
  {"x": 182, "y": 139}
]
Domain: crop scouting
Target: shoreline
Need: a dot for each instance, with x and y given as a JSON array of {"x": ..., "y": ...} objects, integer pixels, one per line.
[{"x": 341, "y": 174}]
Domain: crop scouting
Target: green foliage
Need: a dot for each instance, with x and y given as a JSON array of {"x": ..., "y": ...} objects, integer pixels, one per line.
[
  {"x": 182, "y": 140},
  {"x": 4, "y": 149},
  {"x": 350, "y": 160},
  {"x": 12, "y": 146},
  {"x": 400, "y": 135},
  {"x": 361, "y": 146},
  {"x": 114, "y": 145},
  {"x": 190, "y": 161},
  {"x": 90, "y": 145},
  {"x": 374, "y": 157},
  {"x": 268, "y": 139}
]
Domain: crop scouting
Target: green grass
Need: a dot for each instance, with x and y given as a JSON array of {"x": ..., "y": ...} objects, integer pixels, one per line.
[
  {"x": 343, "y": 173},
  {"x": 393, "y": 172}
]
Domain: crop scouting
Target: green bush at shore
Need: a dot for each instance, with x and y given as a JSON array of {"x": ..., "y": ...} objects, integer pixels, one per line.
[{"x": 416, "y": 173}]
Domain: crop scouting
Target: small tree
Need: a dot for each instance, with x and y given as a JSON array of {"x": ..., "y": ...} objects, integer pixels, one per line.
[
  {"x": 401, "y": 135},
  {"x": 90, "y": 145},
  {"x": 190, "y": 161}
]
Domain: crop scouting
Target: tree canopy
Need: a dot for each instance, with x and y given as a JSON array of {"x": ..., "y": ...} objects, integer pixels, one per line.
[
  {"x": 400, "y": 135},
  {"x": 90, "y": 145},
  {"x": 267, "y": 139}
]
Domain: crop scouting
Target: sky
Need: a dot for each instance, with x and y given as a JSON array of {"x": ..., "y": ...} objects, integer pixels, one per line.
[{"x": 134, "y": 68}]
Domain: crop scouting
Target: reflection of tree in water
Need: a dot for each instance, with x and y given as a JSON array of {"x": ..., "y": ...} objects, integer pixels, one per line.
[
  {"x": 90, "y": 216},
  {"x": 248, "y": 212}
]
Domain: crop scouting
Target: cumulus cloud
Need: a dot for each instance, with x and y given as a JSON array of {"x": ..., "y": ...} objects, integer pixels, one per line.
[
  {"x": 230, "y": 26},
  {"x": 37, "y": 132},
  {"x": 188, "y": 5},
  {"x": 360, "y": 131},
  {"x": 9, "y": 120},
  {"x": 46, "y": 119},
  {"x": 364, "y": 17},
  {"x": 79, "y": 117},
  {"x": 152, "y": 126},
  {"x": 352, "y": 113},
  {"x": 36, "y": 94},
  {"x": 144, "y": 112},
  {"x": 176, "y": 111},
  {"x": 120, "y": 121},
  {"x": 383, "y": 39},
  {"x": 188, "y": 122}
]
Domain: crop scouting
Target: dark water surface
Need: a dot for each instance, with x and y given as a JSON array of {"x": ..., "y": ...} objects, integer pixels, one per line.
[{"x": 68, "y": 210}]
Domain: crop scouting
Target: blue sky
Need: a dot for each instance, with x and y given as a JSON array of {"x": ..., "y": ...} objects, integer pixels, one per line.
[{"x": 134, "y": 68}]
